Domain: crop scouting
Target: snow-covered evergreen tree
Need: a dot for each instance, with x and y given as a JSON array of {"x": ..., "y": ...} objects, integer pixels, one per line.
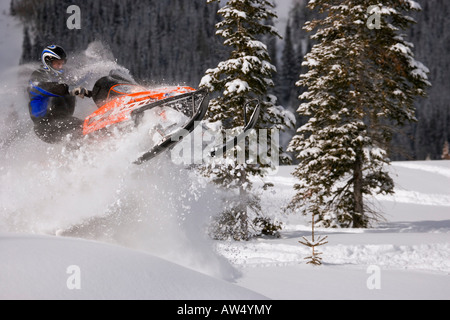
[
  {"x": 246, "y": 75},
  {"x": 26, "y": 47},
  {"x": 361, "y": 85},
  {"x": 446, "y": 151}
]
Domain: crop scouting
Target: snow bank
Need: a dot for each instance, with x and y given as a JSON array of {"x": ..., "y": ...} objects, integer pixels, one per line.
[
  {"x": 40, "y": 267},
  {"x": 410, "y": 250}
]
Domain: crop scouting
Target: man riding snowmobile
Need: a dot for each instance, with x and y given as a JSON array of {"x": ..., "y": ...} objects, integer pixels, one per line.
[
  {"x": 119, "y": 99},
  {"x": 52, "y": 105}
]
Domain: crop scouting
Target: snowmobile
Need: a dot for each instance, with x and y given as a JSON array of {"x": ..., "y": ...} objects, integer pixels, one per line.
[{"x": 120, "y": 100}]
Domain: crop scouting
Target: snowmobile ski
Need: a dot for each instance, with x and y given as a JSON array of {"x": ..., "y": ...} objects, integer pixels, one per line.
[{"x": 195, "y": 102}]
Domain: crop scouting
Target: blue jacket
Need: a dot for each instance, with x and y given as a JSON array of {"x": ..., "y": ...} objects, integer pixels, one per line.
[{"x": 49, "y": 97}]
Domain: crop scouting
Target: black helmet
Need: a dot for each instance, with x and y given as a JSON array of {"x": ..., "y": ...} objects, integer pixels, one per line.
[{"x": 51, "y": 53}]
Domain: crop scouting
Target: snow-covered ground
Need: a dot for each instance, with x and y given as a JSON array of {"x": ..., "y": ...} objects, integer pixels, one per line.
[
  {"x": 407, "y": 256},
  {"x": 37, "y": 267},
  {"x": 411, "y": 249}
]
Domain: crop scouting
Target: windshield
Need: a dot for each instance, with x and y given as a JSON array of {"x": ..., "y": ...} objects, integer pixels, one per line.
[{"x": 127, "y": 88}]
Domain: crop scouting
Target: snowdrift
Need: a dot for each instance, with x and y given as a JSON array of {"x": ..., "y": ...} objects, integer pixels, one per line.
[{"x": 41, "y": 267}]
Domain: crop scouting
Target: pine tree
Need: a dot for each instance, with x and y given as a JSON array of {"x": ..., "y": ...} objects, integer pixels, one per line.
[
  {"x": 360, "y": 85},
  {"x": 300, "y": 44},
  {"x": 246, "y": 75},
  {"x": 26, "y": 48},
  {"x": 446, "y": 151},
  {"x": 318, "y": 241}
]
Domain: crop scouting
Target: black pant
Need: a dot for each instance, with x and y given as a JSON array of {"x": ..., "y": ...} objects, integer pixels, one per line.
[{"x": 55, "y": 130}]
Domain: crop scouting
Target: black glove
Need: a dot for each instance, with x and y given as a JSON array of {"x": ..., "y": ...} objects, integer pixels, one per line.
[{"x": 80, "y": 92}]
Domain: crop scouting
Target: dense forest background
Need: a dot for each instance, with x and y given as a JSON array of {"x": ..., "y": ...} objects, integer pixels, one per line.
[
  {"x": 174, "y": 41},
  {"x": 171, "y": 40}
]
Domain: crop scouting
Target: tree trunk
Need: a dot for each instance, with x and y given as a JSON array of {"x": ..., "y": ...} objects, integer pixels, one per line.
[
  {"x": 243, "y": 215},
  {"x": 358, "y": 213}
]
